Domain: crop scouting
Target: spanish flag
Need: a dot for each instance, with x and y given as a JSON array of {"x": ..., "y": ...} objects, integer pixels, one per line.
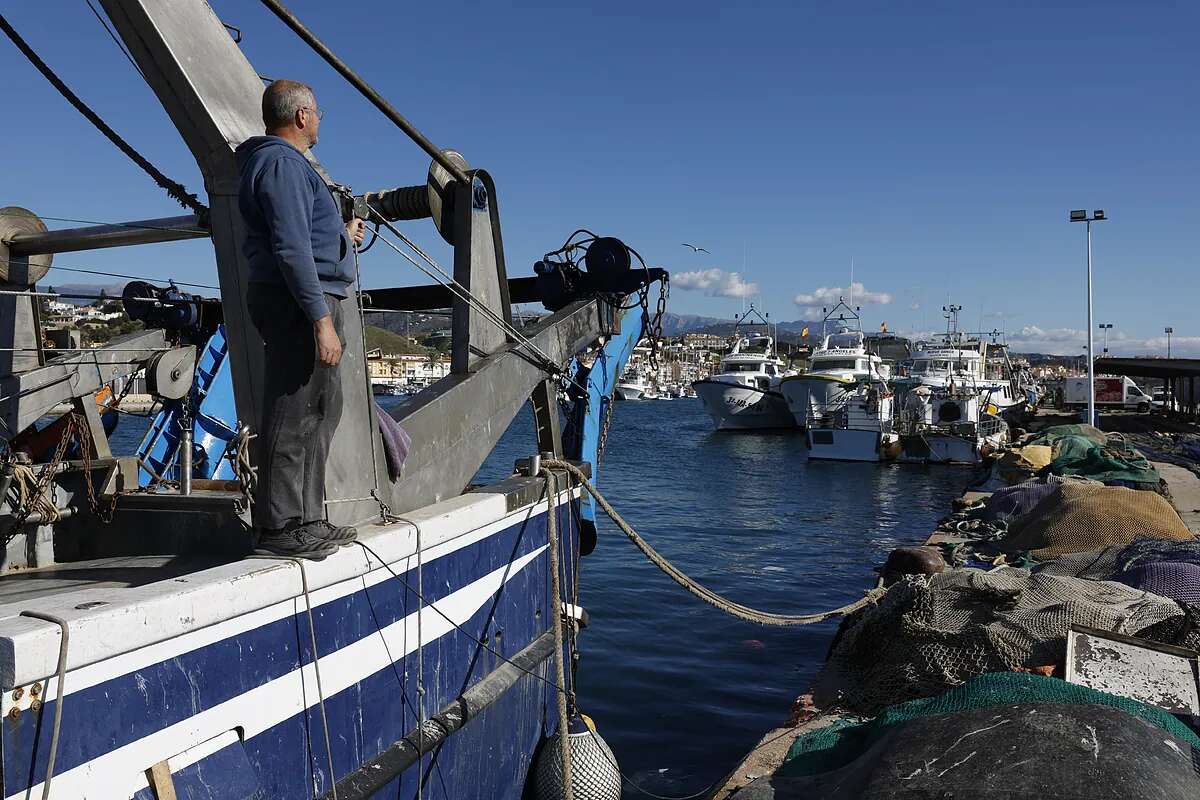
[{"x": 804, "y": 333}]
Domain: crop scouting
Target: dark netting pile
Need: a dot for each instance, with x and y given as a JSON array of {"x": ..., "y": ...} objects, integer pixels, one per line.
[{"x": 931, "y": 633}]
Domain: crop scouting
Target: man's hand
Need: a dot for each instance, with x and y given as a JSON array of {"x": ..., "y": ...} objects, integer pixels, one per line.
[
  {"x": 329, "y": 346},
  {"x": 357, "y": 230}
]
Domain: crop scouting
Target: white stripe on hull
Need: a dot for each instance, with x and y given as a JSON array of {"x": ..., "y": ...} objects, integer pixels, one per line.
[{"x": 120, "y": 772}]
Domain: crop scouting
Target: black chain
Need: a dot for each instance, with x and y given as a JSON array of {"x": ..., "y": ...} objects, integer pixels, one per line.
[{"x": 654, "y": 323}]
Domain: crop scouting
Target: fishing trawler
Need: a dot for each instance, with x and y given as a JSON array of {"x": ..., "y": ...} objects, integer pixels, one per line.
[
  {"x": 949, "y": 408},
  {"x": 856, "y": 426},
  {"x": 144, "y": 655},
  {"x": 744, "y": 393},
  {"x": 836, "y": 367}
]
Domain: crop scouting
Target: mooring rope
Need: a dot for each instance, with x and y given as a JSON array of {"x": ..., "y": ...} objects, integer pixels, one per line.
[
  {"x": 707, "y": 595},
  {"x": 560, "y": 673}
]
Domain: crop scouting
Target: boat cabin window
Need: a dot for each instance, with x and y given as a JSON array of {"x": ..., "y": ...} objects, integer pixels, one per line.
[
  {"x": 770, "y": 369},
  {"x": 837, "y": 363},
  {"x": 931, "y": 365},
  {"x": 845, "y": 340},
  {"x": 756, "y": 346},
  {"x": 741, "y": 366}
]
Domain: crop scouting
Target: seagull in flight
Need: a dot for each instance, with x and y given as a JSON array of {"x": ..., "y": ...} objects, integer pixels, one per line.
[{"x": 696, "y": 249}]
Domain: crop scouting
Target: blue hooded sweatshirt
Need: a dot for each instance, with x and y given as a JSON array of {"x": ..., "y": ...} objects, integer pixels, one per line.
[{"x": 295, "y": 236}]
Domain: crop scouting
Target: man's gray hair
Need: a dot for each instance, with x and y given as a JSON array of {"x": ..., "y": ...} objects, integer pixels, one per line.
[{"x": 282, "y": 99}]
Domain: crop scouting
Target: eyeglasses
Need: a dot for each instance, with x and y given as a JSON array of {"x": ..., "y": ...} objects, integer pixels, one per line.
[{"x": 320, "y": 113}]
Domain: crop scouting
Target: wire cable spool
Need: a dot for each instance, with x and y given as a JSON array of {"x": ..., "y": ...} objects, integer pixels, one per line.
[
  {"x": 433, "y": 199},
  {"x": 27, "y": 270}
]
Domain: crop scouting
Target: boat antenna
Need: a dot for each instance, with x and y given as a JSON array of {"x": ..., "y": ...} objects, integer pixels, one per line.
[{"x": 852, "y": 280}]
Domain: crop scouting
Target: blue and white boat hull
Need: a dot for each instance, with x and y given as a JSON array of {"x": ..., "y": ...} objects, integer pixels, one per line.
[{"x": 215, "y": 673}]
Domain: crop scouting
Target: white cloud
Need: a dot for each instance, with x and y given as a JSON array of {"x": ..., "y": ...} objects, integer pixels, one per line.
[
  {"x": 828, "y": 295},
  {"x": 715, "y": 282}
]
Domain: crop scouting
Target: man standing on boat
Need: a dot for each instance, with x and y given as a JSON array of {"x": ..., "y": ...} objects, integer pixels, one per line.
[{"x": 301, "y": 267}]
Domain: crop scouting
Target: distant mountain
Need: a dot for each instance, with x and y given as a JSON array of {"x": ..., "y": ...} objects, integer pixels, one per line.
[
  {"x": 679, "y": 324},
  {"x": 112, "y": 290}
]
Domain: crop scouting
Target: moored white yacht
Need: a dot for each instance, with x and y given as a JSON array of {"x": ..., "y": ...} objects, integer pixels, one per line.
[
  {"x": 744, "y": 394},
  {"x": 835, "y": 368}
]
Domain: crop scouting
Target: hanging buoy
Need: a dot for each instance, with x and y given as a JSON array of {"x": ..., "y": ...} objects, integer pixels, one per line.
[{"x": 594, "y": 773}]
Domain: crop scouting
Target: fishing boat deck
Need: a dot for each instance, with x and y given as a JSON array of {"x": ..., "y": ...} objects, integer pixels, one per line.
[{"x": 119, "y": 572}]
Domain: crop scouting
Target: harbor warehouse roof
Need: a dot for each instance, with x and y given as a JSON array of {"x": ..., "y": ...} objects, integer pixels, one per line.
[{"x": 1150, "y": 367}]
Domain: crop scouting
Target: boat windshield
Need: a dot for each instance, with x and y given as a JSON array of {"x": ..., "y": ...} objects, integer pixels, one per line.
[
  {"x": 845, "y": 340},
  {"x": 741, "y": 366},
  {"x": 836, "y": 363},
  {"x": 759, "y": 345}
]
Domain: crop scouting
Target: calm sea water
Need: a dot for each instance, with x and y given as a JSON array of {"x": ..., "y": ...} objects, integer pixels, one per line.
[{"x": 679, "y": 690}]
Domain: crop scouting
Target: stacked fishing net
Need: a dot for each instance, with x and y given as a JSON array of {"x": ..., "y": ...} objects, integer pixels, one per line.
[
  {"x": 930, "y": 633},
  {"x": 1079, "y": 516},
  {"x": 1086, "y": 451}
]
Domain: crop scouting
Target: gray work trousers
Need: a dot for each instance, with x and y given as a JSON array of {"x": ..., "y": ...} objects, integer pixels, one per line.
[{"x": 300, "y": 409}]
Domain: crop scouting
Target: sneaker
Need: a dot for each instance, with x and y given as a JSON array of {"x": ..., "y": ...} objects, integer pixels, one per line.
[
  {"x": 343, "y": 535},
  {"x": 294, "y": 542}
]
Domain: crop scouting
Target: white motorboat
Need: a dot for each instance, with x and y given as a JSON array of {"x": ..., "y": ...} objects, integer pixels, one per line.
[
  {"x": 856, "y": 426},
  {"x": 835, "y": 368},
  {"x": 744, "y": 394},
  {"x": 634, "y": 386}
]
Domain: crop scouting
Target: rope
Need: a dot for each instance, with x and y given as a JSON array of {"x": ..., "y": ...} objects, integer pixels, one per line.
[
  {"x": 500, "y": 656},
  {"x": 59, "y": 698},
  {"x": 707, "y": 595},
  {"x": 32, "y": 495},
  {"x": 560, "y": 674},
  {"x": 177, "y": 191},
  {"x": 312, "y": 632}
]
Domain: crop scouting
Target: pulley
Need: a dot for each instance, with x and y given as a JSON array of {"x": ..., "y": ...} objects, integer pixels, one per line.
[
  {"x": 440, "y": 188},
  {"x": 27, "y": 270},
  {"x": 169, "y": 374}
]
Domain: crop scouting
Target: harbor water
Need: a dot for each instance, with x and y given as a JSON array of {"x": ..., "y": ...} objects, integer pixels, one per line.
[{"x": 679, "y": 690}]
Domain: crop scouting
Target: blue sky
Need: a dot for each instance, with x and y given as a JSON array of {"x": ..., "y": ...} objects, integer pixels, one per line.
[{"x": 938, "y": 145}]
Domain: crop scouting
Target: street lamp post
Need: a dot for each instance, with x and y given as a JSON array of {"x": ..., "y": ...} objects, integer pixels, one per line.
[
  {"x": 1168, "y": 332},
  {"x": 1106, "y": 327},
  {"x": 1081, "y": 215}
]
